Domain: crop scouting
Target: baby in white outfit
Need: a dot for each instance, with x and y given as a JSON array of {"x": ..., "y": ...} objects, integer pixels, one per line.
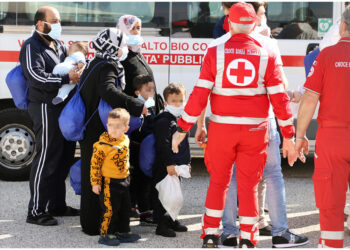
[{"x": 76, "y": 54}]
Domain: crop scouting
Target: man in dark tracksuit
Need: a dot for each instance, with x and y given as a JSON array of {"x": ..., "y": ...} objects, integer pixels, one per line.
[{"x": 54, "y": 155}]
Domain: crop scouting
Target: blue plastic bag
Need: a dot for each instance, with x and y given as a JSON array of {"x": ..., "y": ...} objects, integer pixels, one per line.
[
  {"x": 147, "y": 154},
  {"x": 75, "y": 177},
  {"x": 72, "y": 118},
  {"x": 103, "y": 110},
  {"x": 18, "y": 87}
]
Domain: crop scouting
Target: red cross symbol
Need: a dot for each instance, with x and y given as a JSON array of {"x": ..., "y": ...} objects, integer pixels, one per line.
[{"x": 241, "y": 72}]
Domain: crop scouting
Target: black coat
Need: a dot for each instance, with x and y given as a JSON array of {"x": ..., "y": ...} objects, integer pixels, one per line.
[
  {"x": 164, "y": 128},
  {"x": 37, "y": 61},
  {"x": 135, "y": 64},
  {"x": 100, "y": 84}
]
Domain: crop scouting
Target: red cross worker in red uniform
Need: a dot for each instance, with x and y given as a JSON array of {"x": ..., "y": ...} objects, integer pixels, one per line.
[
  {"x": 329, "y": 83},
  {"x": 242, "y": 79}
]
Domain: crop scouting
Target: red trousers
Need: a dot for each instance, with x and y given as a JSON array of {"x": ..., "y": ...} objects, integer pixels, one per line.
[
  {"x": 331, "y": 177},
  {"x": 227, "y": 144}
]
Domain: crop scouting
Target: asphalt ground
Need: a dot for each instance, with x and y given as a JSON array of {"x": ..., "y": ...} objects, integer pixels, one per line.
[{"x": 16, "y": 233}]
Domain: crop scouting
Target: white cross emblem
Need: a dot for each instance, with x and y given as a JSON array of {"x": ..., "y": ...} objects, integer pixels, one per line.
[{"x": 240, "y": 72}]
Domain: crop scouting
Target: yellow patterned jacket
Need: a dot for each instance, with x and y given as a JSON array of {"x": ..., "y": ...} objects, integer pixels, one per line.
[{"x": 110, "y": 159}]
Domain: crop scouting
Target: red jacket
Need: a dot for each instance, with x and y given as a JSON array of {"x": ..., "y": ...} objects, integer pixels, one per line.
[{"x": 241, "y": 79}]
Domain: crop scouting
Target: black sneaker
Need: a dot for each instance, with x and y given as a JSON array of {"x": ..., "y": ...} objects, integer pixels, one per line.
[
  {"x": 43, "y": 219},
  {"x": 265, "y": 231},
  {"x": 127, "y": 237},
  {"x": 69, "y": 211},
  {"x": 244, "y": 243},
  {"x": 228, "y": 240},
  {"x": 178, "y": 227},
  {"x": 210, "y": 241},
  {"x": 109, "y": 240},
  {"x": 288, "y": 239},
  {"x": 164, "y": 227},
  {"x": 146, "y": 219}
]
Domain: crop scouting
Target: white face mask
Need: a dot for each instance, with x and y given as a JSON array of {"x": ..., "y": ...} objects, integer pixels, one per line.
[
  {"x": 263, "y": 22},
  {"x": 150, "y": 102},
  {"x": 125, "y": 54},
  {"x": 175, "y": 111},
  {"x": 56, "y": 30},
  {"x": 141, "y": 98}
]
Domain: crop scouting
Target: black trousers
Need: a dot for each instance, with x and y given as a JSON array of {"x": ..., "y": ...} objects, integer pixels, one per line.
[
  {"x": 90, "y": 209},
  {"x": 51, "y": 164},
  {"x": 141, "y": 184},
  {"x": 159, "y": 173},
  {"x": 115, "y": 203}
]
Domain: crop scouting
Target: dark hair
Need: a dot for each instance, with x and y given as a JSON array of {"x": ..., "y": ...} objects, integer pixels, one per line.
[
  {"x": 173, "y": 88},
  {"x": 119, "y": 113},
  {"x": 141, "y": 80},
  {"x": 83, "y": 46},
  {"x": 256, "y": 5},
  {"x": 40, "y": 15},
  {"x": 227, "y": 5},
  {"x": 346, "y": 4}
]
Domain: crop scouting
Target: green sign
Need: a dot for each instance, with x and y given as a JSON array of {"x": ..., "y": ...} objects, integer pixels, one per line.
[{"x": 323, "y": 25}]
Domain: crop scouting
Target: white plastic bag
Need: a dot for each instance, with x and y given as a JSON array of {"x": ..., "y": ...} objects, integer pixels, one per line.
[
  {"x": 183, "y": 171},
  {"x": 170, "y": 195}
]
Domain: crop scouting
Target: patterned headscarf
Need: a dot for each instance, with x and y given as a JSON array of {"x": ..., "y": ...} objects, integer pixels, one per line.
[
  {"x": 108, "y": 42},
  {"x": 127, "y": 23}
]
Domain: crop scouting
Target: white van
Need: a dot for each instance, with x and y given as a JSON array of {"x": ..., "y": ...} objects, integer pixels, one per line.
[{"x": 176, "y": 36}]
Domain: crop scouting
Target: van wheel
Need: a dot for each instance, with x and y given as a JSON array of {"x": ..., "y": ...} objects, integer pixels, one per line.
[{"x": 17, "y": 144}]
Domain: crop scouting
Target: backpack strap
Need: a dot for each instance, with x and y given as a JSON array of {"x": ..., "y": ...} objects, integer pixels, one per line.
[{"x": 80, "y": 85}]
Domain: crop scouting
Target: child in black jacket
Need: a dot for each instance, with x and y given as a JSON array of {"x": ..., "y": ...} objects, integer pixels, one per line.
[
  {"x": 141, "y": 185},
  {"x": 164, "y": 128}
]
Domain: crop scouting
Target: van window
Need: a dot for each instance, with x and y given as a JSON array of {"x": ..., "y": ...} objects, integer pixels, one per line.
[
  {"x": 7, "y": 13},
  {"x": 92, "y": 14},
  {"x": 95, "y": 13},
  {"x": 297, "y": 20},
  {"x": 195, "y": 19}
]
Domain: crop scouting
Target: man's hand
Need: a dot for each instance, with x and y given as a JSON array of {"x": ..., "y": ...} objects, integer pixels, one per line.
[
  {"x": 74, "y": 75},
  {"x": 177, "y": 139},
  {"x": 302, "y": 146},
  {"x": 96, "y": 189},
  {"x": 201, "y": 134},
  {"x": 288, "y": 149},
  {"x": 171, "y": 170}
]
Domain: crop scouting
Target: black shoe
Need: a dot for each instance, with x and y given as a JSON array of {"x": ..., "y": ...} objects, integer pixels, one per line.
[
  {"x": 164, "y": 227},
  {"x": 146, "y": 219},
  {"x": 244, "y": 243},
  {"x": 127, "y": 237},
  {"x": 178, "y": 227},
  {"x": 229, "y": 240},
  {"x": 44, "y": 219},
  {"x": 288, "y": 239},
  {"x": 68, "y": 212},
  {"x": 210, "y": 241},
  {"x": 265, "y": 231},
  {"x": 109, "y": 240}
]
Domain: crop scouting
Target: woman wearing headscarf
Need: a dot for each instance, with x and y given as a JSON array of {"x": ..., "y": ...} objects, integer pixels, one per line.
[
  {"x": 134, "y": 65},
  {"x": 100, "y": 83}
]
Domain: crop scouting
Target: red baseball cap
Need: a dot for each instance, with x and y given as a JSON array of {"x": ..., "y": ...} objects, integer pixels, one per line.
[{"x": 242, "y": 13}]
